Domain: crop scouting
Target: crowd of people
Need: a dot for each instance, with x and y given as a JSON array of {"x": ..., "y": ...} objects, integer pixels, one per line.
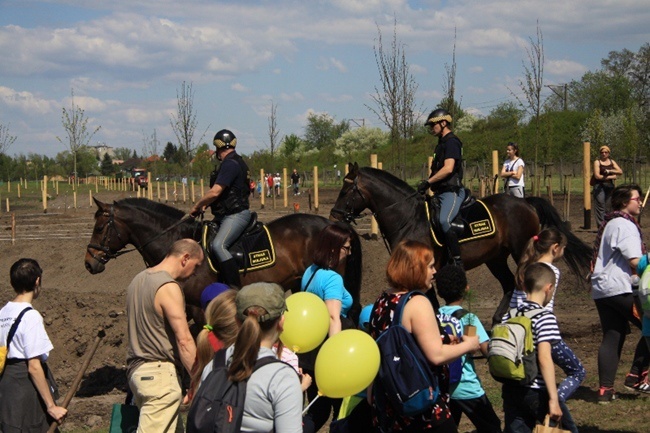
[{"x": 244, "y": 324}]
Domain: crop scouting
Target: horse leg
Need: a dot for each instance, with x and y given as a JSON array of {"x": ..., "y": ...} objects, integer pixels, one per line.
[{"x": 501, "y": 271}]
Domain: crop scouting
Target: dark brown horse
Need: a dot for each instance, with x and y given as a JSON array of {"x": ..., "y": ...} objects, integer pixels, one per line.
[
  {"x": 401, "y": 214},
  {"x": 153, "y": 227}
]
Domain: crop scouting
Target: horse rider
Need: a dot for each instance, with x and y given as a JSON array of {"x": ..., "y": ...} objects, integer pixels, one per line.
[
  {"x": 446, "y": 178},
  {"x": 228, "y": 200}
]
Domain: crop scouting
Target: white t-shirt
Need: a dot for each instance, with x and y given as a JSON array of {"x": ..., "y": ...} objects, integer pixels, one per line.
[
  {"x": 30, "y": 339},
  {"x": 620, "y": 243},
  {"x": 514, "y": 166}
]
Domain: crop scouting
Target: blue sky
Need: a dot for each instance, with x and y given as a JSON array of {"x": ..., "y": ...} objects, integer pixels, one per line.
[{"x": 126, "y": 59}]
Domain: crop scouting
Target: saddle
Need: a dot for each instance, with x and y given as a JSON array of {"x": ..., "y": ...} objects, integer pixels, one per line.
[
  {"x": 252, "y": 251},
  {"x": 474, "y": 220}
]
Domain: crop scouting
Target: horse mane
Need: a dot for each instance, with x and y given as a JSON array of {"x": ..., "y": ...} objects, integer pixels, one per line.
[
  {"x": 388, "y": 178},
  {"x": 154, "y": 207}
]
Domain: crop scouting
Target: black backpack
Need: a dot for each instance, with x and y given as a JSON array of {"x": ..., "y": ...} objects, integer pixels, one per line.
[
  {"x": 218, "y": 406},
  {"x": 404, "y": 372}
]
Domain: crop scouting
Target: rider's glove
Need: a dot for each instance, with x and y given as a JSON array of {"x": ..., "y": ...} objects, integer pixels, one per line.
[{"x": 423, "y": 186}]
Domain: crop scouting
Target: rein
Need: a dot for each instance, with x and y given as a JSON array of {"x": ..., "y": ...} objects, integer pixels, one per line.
[
  {"x": 103, "y": 246},
  {"x": 350, "y": 216}
]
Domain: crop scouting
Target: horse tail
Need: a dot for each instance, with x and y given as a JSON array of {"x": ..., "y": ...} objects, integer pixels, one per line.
[
  {"x": 352, "y": 277},
  {"x": 577, "y": 254}
]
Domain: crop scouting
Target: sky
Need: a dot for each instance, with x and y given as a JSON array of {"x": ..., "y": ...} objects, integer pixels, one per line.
[{"x": 126, "y": 60}]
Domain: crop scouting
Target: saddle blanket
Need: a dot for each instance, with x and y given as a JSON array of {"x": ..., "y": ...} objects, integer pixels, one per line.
[{"x": 477, "y": 223}]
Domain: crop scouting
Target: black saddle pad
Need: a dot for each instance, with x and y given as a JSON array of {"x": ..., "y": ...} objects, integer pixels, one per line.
[
  {"x": 252, "y": 251},
  {"x": 475, "y": 219}
]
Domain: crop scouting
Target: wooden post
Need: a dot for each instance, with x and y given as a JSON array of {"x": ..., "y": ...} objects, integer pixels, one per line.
[
  {"x": 96, "y": 186},
  {"x": 57, "y": 188},
  {"x": 90, "y": 198},
  {"x": 201, "y": 183},
  {"x": 316, "y": 189},
  {"x": 184, "y": 193},
  {"x": 586, "y": 175},
  {"x": 74, "y": 199},
  {"x": 13, "y": 225},
  {"x": 174, "y": 192},
  {"x": 481, "y": 187},
  {"x": 285, "y": 188},
  {"x": 429, "y": 162},
  {"x": 495, "y": 171},
  {"x": 192, "y": 192},
  {"x": 137, "y": 191},
  {"x": 374, "y": 227},
  {"x": 8, "y": 208},
  {"x": 149, "y": 188},
  {"x": 263, "y": 182},
  {"x": 346, "y": 170},
  {"x": 380, "y": 165},
  {"x": 158, "y": 190},
  {"x": 166, "y": 194},
  {"x": 18, "y": 190},
  {"x": 44, "y": 194}
]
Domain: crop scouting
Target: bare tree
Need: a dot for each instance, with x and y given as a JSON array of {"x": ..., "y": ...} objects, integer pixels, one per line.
[
  {"x": 6, "y": 140},
  {"x": 273, "y": 132},
  {"x": 184, "y": 123},
  {"x": 449, "y": 102},
  {"x": 533, "y": 84},
  {"x": 75, "y": 123},
  {"x": 395, "y": 99}
]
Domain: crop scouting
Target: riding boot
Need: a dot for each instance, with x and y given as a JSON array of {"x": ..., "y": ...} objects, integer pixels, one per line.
[
  {"x": 451, "y": 239},
  {"x": 229, "y": 271}
]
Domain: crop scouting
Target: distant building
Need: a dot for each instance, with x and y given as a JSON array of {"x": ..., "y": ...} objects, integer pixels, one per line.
[{"x": 103, "y": 149}]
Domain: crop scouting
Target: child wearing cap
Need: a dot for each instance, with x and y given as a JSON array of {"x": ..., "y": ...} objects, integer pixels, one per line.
[{"x": 273, "y": 394}]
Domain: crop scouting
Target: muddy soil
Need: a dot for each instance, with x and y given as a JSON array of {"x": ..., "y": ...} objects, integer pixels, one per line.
[{"x": 75, "y": 304}]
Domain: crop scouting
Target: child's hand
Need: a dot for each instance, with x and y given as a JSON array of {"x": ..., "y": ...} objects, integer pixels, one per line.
[
  {"x": 554, "y": 410},
  {"x": 305, "y": 381},
  {"x": 472, "y": 342}
]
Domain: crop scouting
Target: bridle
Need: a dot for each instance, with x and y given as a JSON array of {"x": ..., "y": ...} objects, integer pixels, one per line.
[
  {"x": 347, "y": 213},
  {"x": 110, "y": 224},
  {"x": 106, "y": 240}
]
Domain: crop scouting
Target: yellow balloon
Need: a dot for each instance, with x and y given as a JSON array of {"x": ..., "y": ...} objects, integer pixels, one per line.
[
  {"x": 346, "y": 364},
  {"x": 306, "y": 322}
]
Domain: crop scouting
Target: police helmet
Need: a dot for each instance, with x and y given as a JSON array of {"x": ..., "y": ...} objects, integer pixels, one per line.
[
  {"x": 225, "y": 139},
  {"x": 438, "y": 115}
]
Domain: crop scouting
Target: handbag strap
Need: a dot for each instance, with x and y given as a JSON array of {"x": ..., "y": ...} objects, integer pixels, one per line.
[
  {"x": 14, "y": 326},
  {"x": 310, "y": 278}
]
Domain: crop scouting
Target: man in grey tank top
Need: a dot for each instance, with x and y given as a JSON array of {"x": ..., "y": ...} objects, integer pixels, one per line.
[{"x": 159, "y": 337}]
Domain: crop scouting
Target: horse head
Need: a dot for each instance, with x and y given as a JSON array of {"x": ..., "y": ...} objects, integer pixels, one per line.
[
  {"x": 351, "y": 200},
  {"x": 108, "y": 238}
]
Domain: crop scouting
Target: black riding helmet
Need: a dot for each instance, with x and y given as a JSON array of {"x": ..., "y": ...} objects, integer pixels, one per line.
[
  {"x": 438, "y": 115},
  {"x": 225, "y": 139}
]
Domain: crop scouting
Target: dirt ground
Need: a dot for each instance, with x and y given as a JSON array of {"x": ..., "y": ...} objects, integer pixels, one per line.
[{"x": 76, "y": 304}]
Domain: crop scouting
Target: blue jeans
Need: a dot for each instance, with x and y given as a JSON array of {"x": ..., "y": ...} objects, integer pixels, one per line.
[
  {"x": 564, "y": 358},
  {"x": 232, "y": 226},
  {"x": 449, "y": 206},
  {"x": 524, "y": 407}
]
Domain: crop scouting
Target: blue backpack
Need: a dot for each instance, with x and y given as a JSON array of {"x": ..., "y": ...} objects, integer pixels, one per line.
[
  {"x": 452, "y": 326},
  {"x": 405, "y": 377}
]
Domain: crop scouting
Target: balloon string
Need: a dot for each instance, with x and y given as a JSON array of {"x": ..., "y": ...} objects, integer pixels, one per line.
[{"x": 304, "y": 412}]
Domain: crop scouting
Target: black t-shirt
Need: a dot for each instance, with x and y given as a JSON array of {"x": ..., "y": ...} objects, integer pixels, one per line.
[
  {"x": 295, "y": 177},
  {"x": 448, "y": 147}
]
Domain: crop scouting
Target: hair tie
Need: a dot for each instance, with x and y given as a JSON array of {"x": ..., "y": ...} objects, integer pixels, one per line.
[
  {"x": 208, "y": 327},
  {"x": 535, "y": 238}
]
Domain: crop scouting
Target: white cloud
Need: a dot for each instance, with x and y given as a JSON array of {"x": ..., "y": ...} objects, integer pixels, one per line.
[
  {"x": 565, "y": 68},
  {"x": 476, "y": 69},
  {"x": 292, "y": 97},
  {"x": 238, "y": 87},
  {"x": 326, "y": 64},
  {"x": 27, "y": 102},
  {"x": 336, "y": 98}
]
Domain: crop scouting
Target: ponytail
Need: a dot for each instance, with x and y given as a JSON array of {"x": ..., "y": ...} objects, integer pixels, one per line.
[
  {"x": 247, "y": 344},
  {"x": 537, "y": 246}
]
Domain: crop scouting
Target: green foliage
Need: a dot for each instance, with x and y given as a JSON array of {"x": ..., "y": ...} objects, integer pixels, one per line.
[
  {"x": 360, "y": 141},
  {"x": 600, "y": 90},
  {"x": 107, "y": 168},
  {"x": 122, "y": 153},
  {"x": 322, "y": 131}
]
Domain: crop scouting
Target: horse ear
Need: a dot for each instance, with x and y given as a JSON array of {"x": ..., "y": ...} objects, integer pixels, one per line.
[
  {"x": 99, "y": 203},
  {"x": 354, "y": 168}
]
